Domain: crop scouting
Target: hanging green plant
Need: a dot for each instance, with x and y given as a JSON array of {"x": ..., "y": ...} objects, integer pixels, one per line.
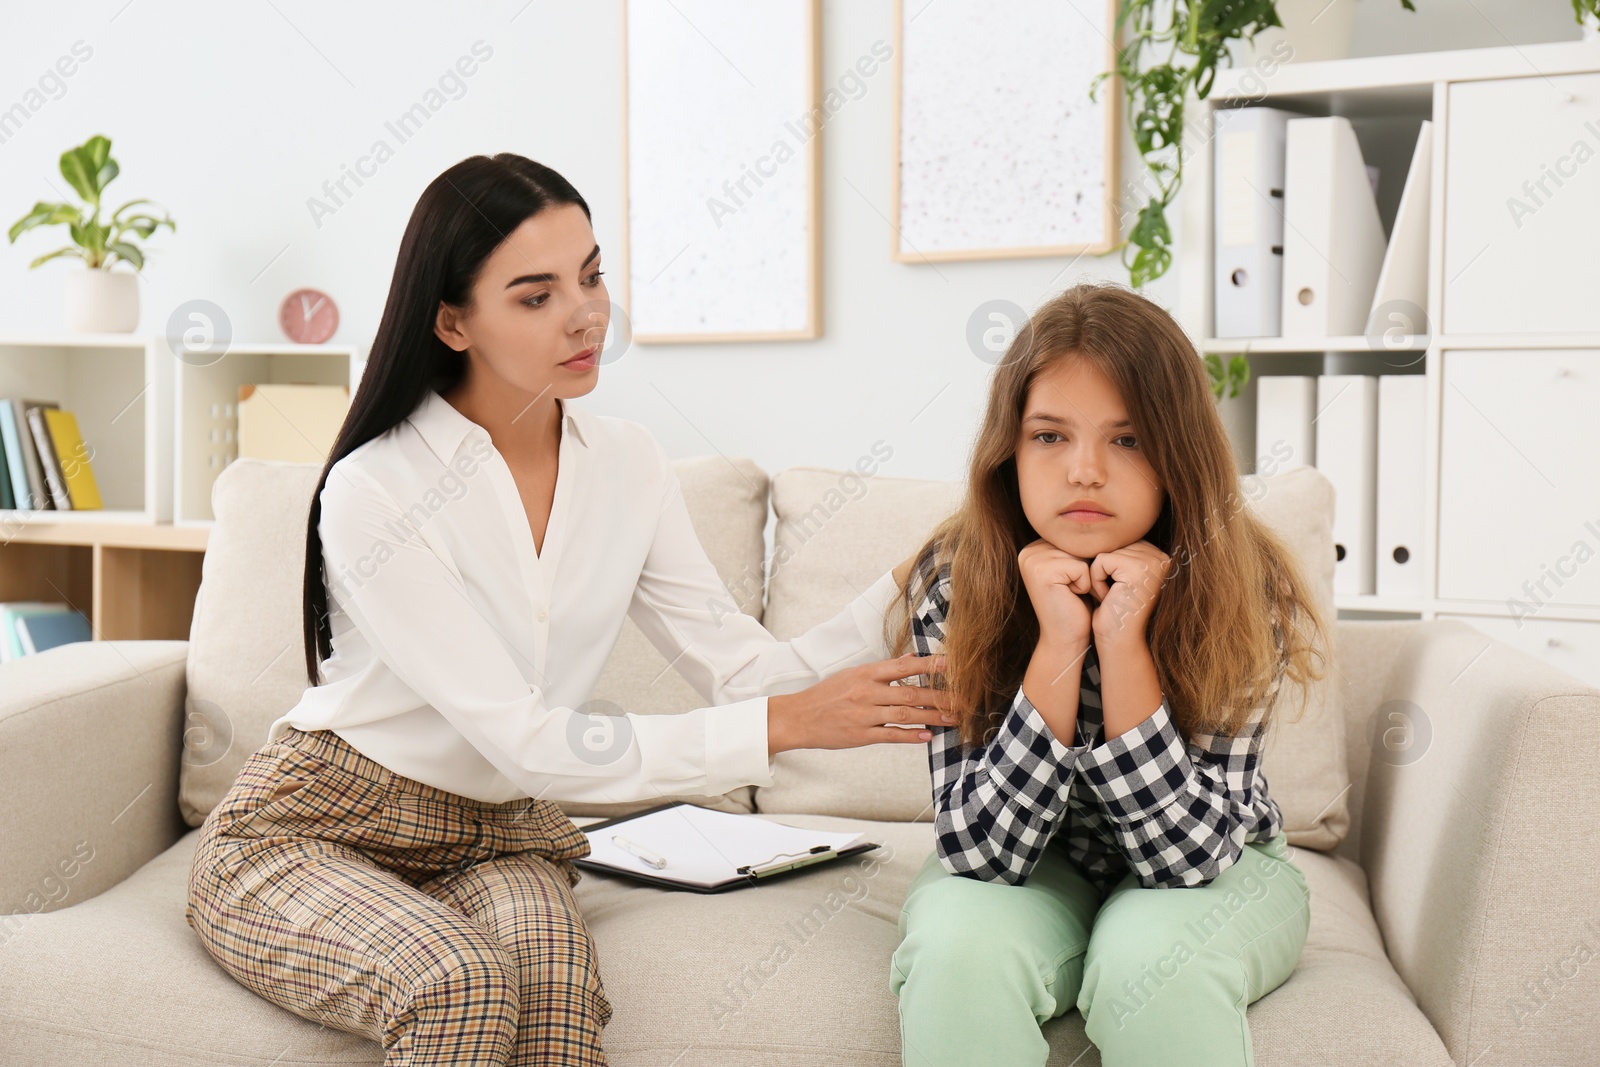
[{"x": 1173, "y": 47}]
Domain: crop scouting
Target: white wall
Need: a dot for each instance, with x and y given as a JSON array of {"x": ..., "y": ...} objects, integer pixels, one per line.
[{"x": 234, "y": 116}]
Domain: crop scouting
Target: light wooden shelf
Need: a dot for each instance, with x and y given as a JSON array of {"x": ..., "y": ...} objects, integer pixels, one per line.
[
  {"x": 103, "y": 531},
  {"x": 131, "y": 580}
]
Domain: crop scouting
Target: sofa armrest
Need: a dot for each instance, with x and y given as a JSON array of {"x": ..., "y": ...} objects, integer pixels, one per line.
[
  {"x": 90, "y": 738},
  {"x": 1480, "y": 848}
]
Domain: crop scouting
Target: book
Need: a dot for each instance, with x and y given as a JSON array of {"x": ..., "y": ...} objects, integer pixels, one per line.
[
  {"x": 53, "y": 478},
  {"x": 39, "y": 631},
  {"x": 16, "y": 472},
  {"x": 10, "y": 612},
  {"x": 8, "y": 498},
  {"x": 73, "y": 454},
  {"x": 22, "y": 459},
  {"x": 682, "y": 846}
]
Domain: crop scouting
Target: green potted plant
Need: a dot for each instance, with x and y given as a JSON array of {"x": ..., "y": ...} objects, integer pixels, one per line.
[{"x": 98, "y": 298}]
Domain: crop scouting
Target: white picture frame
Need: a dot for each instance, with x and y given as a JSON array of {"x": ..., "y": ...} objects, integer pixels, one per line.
[
  {"x": 999, "y": 152},
  {"x": 722, "y": 127}
]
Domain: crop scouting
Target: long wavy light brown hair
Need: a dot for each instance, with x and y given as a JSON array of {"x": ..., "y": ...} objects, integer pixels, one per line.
[{"x": 1235, "y": 616}]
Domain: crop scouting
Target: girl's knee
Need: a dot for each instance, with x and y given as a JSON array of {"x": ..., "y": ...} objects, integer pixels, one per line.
[
  {"x": 1155, "y": 977},
  {"x": 959, "y": 926}
]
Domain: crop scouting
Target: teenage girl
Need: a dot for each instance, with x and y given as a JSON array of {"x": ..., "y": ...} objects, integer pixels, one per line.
[
  {"x": 1116, "y": 626},
  {"x": 393, "y": 861}
]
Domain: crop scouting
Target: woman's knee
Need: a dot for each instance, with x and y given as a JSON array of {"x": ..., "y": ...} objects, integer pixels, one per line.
[
  {"x": 472, "y": 974},
  {"x": 547, "y": 937}
]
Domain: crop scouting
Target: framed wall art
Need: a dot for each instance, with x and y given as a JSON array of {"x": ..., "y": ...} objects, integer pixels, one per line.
[
  {"x": 722, "y": 125},
  {"x": 999, "y": 152}
]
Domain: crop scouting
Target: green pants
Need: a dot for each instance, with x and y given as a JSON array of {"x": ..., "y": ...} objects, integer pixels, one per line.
[{"x": 1160, "y": 975}]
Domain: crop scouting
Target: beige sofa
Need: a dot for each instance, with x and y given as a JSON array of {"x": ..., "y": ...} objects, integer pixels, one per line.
[{"x": 1440, "y": 790}]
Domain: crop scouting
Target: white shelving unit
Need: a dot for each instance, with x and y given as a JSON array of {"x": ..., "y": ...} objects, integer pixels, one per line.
[
  {"x": 120, "y": 388},
  {"x": 160, "y": 428},
  {"x": 206, "y": 408},
  {"x": 1512, "y": 359}
]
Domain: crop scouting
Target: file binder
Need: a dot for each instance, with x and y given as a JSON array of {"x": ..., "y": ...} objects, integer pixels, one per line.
[
  {"x": 296, "y": 423},
  {"x": 1403, "y": 278},
  {"x": 1347, "y": 452},
  {"x": 1286, "y": 411},
  {"x": 1333, "y": 240},
  {"x": 710, "y": 851},
  {"x": 1247, "y": 279},
  {"x": 1402, "y": 452}
]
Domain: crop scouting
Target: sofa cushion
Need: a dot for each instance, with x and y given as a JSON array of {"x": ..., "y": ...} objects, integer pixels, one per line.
[
  {"x": 246, "y": 660},
  {"x": 824, "y": 563},
  {"x": 727, "y": 501},
  {"x": 246, "y": 653},
  {"x": 836, "y": 534},
  {"x": 795, "y": 973}
]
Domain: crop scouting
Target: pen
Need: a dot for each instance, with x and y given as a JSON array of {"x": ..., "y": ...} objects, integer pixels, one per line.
[{"x": 644, "y": 854}]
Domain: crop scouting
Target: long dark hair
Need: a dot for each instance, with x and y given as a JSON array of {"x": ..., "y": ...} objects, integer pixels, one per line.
[{"x": 460, "y": 219}]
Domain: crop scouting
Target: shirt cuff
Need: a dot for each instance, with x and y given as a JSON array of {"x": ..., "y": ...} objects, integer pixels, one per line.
[
  {"x": 1034, "y": 720},
  {"x": 872, "y": 607},
  {"x": 1015, "y": 764},
  {"x": 1137, "y": 773},
  {"x": 736, "y": 746}
]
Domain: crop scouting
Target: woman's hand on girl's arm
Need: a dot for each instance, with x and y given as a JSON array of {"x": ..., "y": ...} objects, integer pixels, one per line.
[{"x": 851, "y": 708}]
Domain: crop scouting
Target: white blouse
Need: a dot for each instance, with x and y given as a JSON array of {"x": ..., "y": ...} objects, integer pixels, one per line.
[{"x": 462, "y": 657}]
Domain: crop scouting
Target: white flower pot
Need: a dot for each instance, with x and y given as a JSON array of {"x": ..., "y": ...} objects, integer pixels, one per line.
[
  {"x": 102, "y": 301},
  {"x": 1314, "y": 29}
]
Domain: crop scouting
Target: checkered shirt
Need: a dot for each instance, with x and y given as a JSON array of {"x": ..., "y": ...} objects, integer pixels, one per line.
[{"x": 1177, "y": 814}]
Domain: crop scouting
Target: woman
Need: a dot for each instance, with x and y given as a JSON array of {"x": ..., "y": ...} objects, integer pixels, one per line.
[{"x": 393, "y": 861}]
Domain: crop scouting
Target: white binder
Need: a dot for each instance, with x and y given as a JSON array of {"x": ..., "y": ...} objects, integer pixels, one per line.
[
  {"x": 1402, "y": 289},
  {"x": 1347, "y": 452},
  {"x": 1286, "y": 409},
  {"x": 1333, "y": 240},
  {"x": 1247, "y": 201},
  {"x": 1402, "y": 458}
]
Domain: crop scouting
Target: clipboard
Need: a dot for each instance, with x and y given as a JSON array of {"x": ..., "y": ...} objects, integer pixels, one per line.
[{"x": 769, "y": 868}]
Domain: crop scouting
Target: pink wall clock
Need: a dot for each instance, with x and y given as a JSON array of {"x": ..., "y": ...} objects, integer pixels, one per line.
[{"x": 308, "y": 316}]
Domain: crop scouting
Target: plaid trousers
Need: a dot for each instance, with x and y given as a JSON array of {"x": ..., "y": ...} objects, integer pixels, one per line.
[{"x": 443, "y": 927}]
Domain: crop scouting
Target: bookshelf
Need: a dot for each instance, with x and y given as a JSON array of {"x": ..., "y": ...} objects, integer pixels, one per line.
[
  {"x": 206, "y": 406},
  {"x": 160, "y": 428},
  {"x": 120, "y": 388},
  {"x": 1511, "y": 352}
]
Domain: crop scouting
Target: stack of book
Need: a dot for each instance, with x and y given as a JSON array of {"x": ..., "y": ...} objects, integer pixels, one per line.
[
  {"x": 44, "y": 462},
  {"x": 29, "y": 626}
]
